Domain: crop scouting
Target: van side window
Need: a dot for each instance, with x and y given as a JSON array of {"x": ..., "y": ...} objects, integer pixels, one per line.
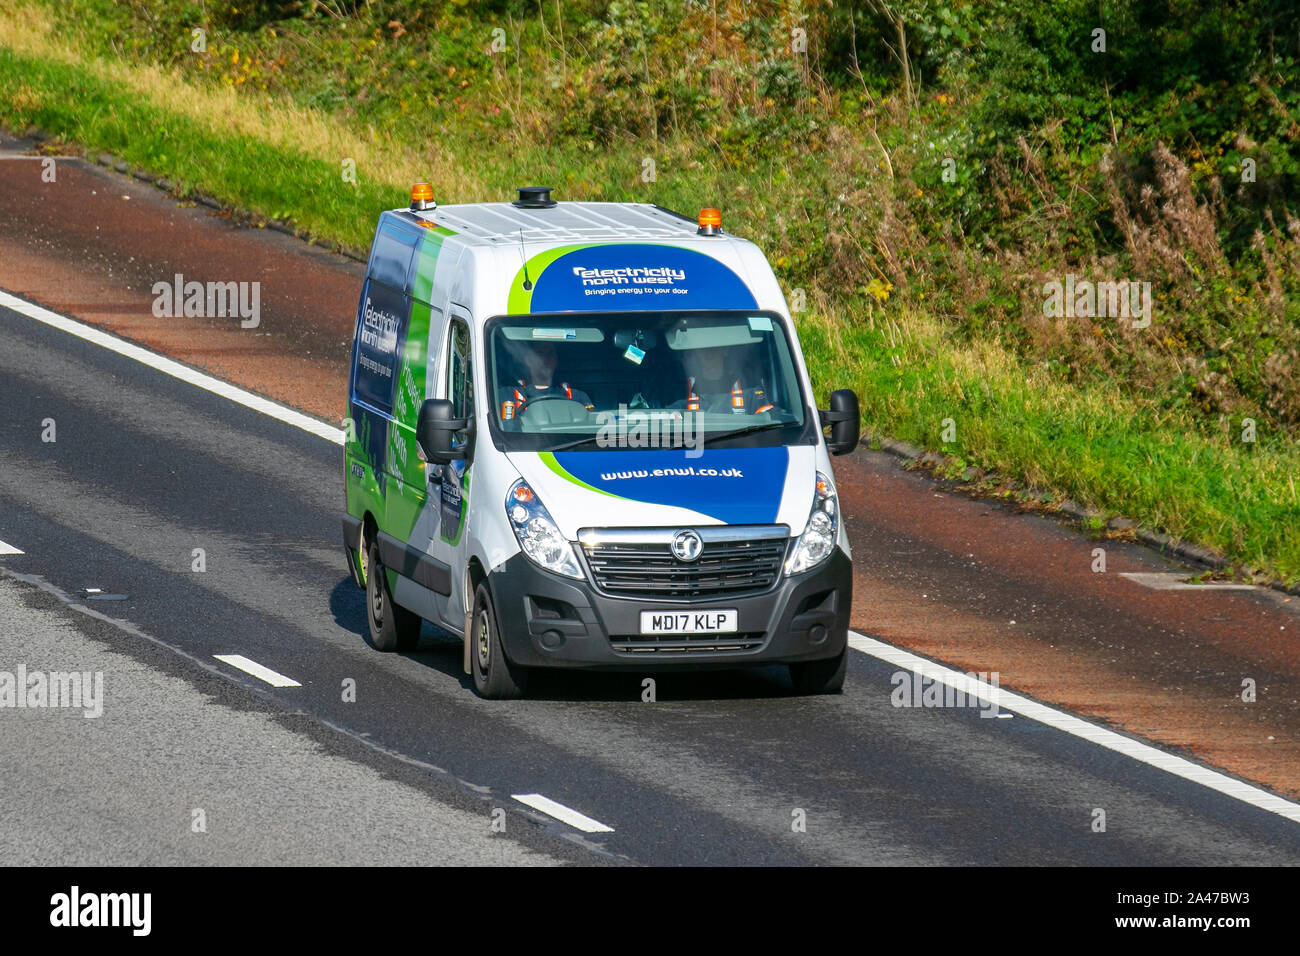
[
  {"x": 460, "y": 375},
  {"x": 391, "y": 254}
]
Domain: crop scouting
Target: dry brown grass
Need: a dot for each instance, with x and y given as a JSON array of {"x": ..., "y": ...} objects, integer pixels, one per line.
[
  {"x": 26, "y": 29},
  {"x": 1167, "y": 230}
]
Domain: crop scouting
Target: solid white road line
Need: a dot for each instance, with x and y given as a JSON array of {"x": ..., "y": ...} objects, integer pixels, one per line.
[
  {"x": 1070, "y": 724},
  {"x": 573, "y": 818},
  {"x": 257, "y": 670},
  {"x": 6, "y": 548},
  {"x": 175, "y": 369}
]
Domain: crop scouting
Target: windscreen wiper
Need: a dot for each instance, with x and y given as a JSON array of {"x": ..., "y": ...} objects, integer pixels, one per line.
[
  {"x": 747, "y": 430},
  {"x": 575, "y": 444}
]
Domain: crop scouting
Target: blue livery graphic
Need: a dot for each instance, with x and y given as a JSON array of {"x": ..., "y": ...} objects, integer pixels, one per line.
[
  {"x": 633, "y": 276},
  {"x": 733, "y": 485},
  {"x": 383, "y": 320}
]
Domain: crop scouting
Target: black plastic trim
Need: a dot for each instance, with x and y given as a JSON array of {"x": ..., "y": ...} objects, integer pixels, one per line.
[{"x": 414, "y": 564}]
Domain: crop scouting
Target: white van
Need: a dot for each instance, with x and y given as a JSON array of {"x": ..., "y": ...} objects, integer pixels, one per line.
[{"x": 582, "y": 436}]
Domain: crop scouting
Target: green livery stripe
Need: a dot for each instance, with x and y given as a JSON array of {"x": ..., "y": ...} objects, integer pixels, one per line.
[
  {"x": 521, "y": 299},
  {"x": 427, "y": 262},
  {"x": 407, "y": 495},
  {"x": 548, "y": 459}
]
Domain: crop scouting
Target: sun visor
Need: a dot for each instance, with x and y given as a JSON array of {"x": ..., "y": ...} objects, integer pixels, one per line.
[
  {"x": 710, "y": 336},
  {"x": 551, "y": 333}
]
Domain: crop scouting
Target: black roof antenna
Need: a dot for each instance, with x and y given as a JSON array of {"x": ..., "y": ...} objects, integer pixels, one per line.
[{"x": 528, "y": 283}]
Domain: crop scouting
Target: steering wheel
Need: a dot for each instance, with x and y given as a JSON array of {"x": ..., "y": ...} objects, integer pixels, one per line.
[
  {"x": 529, "y": 403},
  {"x": 532, "y": 401},
  {"x": 574, "y": 411}
]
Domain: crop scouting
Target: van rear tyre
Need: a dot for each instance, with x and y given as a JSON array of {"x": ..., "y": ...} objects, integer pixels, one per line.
[
  {"x": 392, "y": 628},
  {"x": 820, "y": 677},
  {"x": 494, "y": 676}
]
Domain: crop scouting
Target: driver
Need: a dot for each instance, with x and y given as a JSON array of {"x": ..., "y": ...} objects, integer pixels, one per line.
[
  {"x": 539, "y": 360},
  {"x": 715, "y": 384}
]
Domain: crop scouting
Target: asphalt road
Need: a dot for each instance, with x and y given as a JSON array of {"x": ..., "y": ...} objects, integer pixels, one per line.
[
  {"x": 145, "y": 469},
  {"x": 179, "y": 769}
]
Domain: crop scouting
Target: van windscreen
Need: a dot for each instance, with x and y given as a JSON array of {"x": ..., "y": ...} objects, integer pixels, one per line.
[{"x": 643, "y": 380}]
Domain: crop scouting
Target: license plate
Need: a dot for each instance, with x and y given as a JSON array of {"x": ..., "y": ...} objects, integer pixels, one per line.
[{"x": 689, "y": 622}]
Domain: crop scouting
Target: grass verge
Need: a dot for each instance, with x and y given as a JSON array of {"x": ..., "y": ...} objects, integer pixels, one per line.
[{"x": 1074, "y": 440}]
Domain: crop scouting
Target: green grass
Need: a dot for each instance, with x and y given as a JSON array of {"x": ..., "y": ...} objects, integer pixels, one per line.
[
  {"x": 1083, "y": 436},
  {"x": 1080, "y": 441},
  {"x": 271, "y": 180}
]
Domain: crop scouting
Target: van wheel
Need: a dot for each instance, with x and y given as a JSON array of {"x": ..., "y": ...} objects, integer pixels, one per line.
[
  {"x": 494, "y": 676},
  {"x": 392, "y": 628},
  {"x": 820, "y": 677}
]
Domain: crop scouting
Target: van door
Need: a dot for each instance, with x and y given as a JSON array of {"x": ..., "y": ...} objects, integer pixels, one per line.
[{"x": 449, "y": 543}]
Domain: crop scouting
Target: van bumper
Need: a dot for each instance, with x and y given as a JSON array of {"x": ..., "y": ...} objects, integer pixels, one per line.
[{"x": 549, "y": 621}]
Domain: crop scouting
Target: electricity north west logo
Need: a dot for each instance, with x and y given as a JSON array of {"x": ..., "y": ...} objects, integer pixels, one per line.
[
  {"x": 379, "y": 330},
  {"x": 630, "y": 275}
]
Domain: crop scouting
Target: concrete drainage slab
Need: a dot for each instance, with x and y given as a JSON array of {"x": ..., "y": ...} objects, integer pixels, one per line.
[{"x": 1177, "y": 581}]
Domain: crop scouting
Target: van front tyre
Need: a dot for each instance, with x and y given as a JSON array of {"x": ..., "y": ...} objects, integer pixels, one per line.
[
  {"x": 392, "y": 628},
  {"x": 820, "y": 677},
  {"x": 494, "y": 676}
]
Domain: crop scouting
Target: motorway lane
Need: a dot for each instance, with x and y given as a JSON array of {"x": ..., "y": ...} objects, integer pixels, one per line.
[
  {"x": 161, "y": 776},
  {"x": 146, "y": 468}
]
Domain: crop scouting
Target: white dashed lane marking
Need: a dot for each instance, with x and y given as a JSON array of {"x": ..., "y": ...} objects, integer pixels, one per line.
[
  {"x": 579, "y": 821},
  {"x": 257, "y": 670}
]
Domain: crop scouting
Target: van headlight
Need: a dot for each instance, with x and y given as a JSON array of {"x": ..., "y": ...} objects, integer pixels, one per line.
[
  {"x": 538, "y": 535},
  {"x": 818, "y": 539}
]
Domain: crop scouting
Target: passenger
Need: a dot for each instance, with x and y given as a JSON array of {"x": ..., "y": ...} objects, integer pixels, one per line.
[
  {"x": 715, "y": 382},
  {"x": 539, "y": 360}
]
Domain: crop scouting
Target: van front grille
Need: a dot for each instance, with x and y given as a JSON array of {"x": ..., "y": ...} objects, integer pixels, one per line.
[
  {"x": 685, "y": 643},
  {"x": 733, "y": 561}
]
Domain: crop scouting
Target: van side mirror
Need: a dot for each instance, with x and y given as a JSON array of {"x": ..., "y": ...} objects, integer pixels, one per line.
[
  {"x": 845, "y": 423},
  {"x": 436, "y": 431}
]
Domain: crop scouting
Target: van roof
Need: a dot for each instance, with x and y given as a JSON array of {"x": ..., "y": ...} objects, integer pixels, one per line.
[{"x": 501, "y": 222}]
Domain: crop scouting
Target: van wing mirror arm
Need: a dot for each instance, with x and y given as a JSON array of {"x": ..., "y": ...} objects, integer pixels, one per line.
[{"x": 844, "y": 421}]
